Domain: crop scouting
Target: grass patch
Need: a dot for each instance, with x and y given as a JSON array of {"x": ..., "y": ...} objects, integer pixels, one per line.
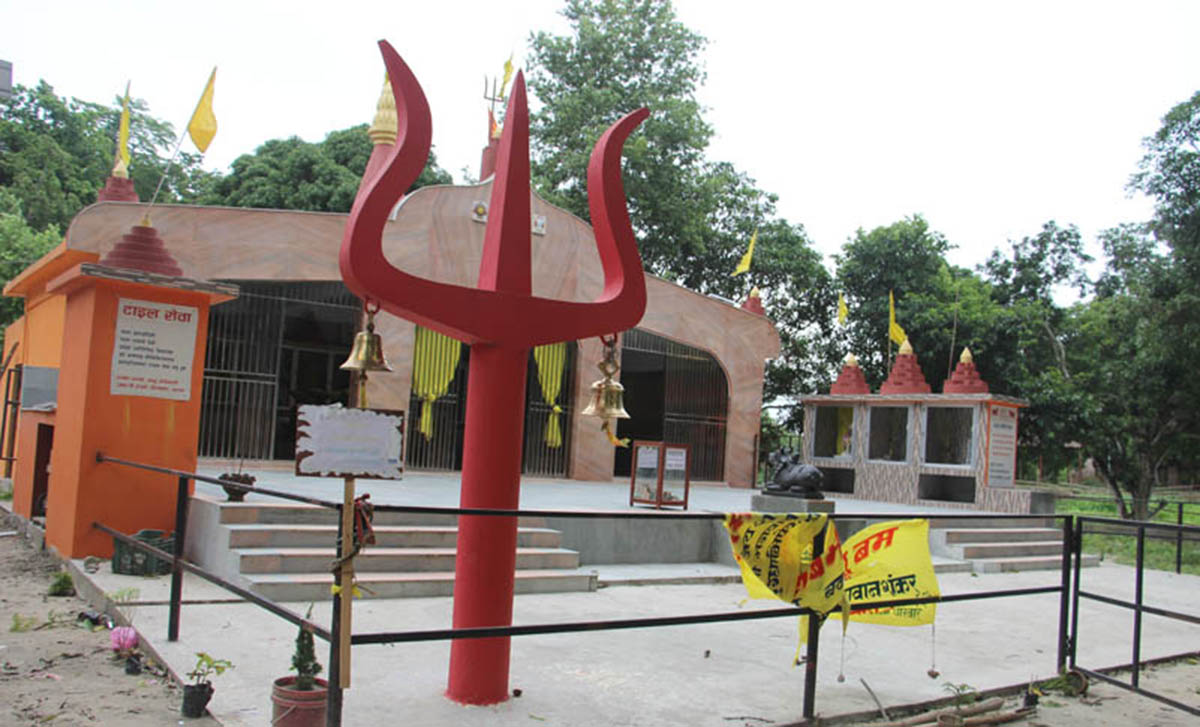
[{"x": 1160, "y": 545}]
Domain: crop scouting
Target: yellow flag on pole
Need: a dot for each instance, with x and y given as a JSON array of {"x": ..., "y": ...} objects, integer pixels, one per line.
[
  {"x": 895, "y": 332},
  {"x": 123, "y": 131},
  {"x": 744, "y": 265},
  {"x": 508, "y": 71},
  {"x": 203, "y": 126},
  {"x": 843, "y": 310}
]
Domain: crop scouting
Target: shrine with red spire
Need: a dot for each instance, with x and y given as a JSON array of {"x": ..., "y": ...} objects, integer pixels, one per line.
[{"x": 908, "y": 445}]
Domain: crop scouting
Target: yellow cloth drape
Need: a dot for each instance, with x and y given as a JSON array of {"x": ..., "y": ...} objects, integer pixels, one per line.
[
  {"x": 435, "y": 359},
  {"x": 551, "y": 360}
]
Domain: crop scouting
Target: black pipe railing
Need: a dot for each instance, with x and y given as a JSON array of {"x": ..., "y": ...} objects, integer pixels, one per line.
[
  {"x": 179, "y": 564},
  {"x": 1137, "y": 605}
]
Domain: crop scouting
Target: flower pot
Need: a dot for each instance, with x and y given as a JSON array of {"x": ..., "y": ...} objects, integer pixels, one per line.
[
  {"x": 234, "y": 494},
  {"x": 195, "y": 699},
  {"x": 291, "y": 707}
]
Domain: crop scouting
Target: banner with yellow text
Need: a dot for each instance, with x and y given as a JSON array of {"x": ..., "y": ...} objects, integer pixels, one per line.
[{"x": 890, "y": 561}]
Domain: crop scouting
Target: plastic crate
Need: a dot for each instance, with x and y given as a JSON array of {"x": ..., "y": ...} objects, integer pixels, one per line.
[{"x": 128, "y": 560}]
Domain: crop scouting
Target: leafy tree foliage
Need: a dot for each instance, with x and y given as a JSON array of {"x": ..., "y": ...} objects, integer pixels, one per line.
[
  {"x": 299, "y": 175},
  {"x": 1170, "y": 172},
  {"x": 692, "y": 216},
  {"x": 906, "y": 258},
  {"x": 20, "y": 245},
  {"x": 58, "y": 152}
]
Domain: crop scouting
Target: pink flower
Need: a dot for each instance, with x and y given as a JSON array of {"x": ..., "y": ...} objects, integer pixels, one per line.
[{"x": 123, "y": 639}]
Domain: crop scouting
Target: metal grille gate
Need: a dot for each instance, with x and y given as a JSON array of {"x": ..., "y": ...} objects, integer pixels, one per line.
[
  {"x": 275, "y": 346},
  {"x": 695, "y": 399},
  {"x": 443, "y": 449}
]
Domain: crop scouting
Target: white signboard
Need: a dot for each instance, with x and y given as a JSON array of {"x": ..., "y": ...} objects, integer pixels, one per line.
[
  {"x": 333, "y": 441},
  {"x": 153, "y": 349},
  {"x": 1002, "y": 445},
  {"x": 647, "y": 458},
  {"x": 676, "y": 459}
]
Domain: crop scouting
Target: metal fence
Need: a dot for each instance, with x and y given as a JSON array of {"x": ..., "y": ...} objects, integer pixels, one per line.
[{"x": 1071, "y": 540}]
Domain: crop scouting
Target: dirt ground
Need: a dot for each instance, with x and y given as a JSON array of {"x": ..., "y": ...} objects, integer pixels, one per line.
[{"x": 57, "y": 670}]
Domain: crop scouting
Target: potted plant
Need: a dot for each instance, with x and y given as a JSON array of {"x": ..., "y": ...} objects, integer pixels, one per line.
[
  {"x": 124, "y": 641},
  {"x": 237, "y": 494},
  {"x": 299, "y": 701},
  {"x": 197, "y": 694}
]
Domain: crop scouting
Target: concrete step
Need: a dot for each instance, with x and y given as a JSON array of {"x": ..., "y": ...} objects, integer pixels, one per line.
[
  {"x": 990, "y": 522},
  {"x": 271, "y": 535},
  {"x": 379, "y": 560},
  {"x": 1001, "y": 535},
  {"x": 1007, "y": 550},
  {"x": 1021, "y": 564},
  {"x": 302, "y": 514},
  {"x": 315, "y": 586}
]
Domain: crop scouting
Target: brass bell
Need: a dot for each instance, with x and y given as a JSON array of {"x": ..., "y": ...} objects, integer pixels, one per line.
[
  {"x": 608, "y": 396},
  {"x": 367, "y": 354}
]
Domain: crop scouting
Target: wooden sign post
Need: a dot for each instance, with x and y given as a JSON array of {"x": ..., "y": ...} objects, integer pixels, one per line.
[{"x": 333, "y": 441}]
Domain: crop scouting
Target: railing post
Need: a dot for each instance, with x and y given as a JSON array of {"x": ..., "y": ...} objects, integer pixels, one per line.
[
  {"x": 333, "y": 700},
  {"x": 1064, "y": 600},
  {"x": 1137, "y": 607},
  {"x": 1077, "y": 548},
  {"x": 181, "y": 513},
  {"x": 1179, "y": 538},
  {"x": 810, "y": 664}
]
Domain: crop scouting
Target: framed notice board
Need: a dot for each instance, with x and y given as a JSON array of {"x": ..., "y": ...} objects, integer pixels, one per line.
[{"x": 660, "y": 474}]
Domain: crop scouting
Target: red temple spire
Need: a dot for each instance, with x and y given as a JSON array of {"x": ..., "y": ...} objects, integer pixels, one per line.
[
  {"x": 965, "y": 379},
  {"x": 906, "y": 376}
]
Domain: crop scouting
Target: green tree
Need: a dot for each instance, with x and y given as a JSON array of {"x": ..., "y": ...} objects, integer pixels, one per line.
[
  {"x": 299, "y": 175},
  {"x": 1170, "y": 172},
  {"x": 905, "y": 258},
  {"x": 59, "y": 151},
  {"x": 692, "y": 216},
  {"x": 1135, "y": 356},
  {"x": 20, "y": 245}
]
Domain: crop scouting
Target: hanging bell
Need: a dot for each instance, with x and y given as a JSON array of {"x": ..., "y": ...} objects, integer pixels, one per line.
[
  {"x": 367, "y": 354},
  {"x": 608, "y": 396}
]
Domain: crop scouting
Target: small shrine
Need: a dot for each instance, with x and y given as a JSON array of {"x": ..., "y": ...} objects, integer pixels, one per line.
[{"x": 908, "y": 445}]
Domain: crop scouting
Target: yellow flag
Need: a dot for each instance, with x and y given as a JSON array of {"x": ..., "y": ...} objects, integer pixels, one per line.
[
  {"x": 843, "y": 311},
  {"x": 775, "y": 555},
  {"x": 890, "y": 561},
  {"x": 744, "y": 265},
  {"x": 203, "y": 126},
  {"x": 508, "y": 71},
  {"x": 895, "y": 332},
  {"x": 123, "y": 132}
]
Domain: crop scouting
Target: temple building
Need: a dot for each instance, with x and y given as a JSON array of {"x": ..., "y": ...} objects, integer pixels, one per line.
[
  {"x": 908, "y": 445},
  {"x": 692, "y": 369}
]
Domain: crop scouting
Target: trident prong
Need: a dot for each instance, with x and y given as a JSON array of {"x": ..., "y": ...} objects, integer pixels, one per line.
[{"x": 502, "y": 310}]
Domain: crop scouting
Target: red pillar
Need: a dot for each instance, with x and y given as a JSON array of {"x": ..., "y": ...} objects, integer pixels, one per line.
[{"x": 487, "y": 545}]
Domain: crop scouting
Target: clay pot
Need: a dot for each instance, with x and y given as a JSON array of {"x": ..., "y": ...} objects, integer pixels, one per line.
[
  {"x": 234, "y": 494},
  {"x": 950, "y": 720},
  {"x": 195, "y": 699},
  {"x": 291, "y": 707}
]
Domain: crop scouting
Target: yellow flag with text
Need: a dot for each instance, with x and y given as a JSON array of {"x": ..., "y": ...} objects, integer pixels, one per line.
[
  {"x": 886, "y": 562},
  {"x": 895, "y": 332},
  {"x": 203, "y": 126},
  {"x": 776, "y": 555}
]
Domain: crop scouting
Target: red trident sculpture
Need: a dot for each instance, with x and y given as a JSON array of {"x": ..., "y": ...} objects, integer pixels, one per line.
[{"x": 502, "y": 320}]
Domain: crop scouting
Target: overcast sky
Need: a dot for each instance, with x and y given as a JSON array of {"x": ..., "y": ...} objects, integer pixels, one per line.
[{"x": 987, "y": 118}]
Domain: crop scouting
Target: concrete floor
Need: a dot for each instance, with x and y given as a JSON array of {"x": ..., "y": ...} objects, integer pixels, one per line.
[{"x": 714, "y": 674}]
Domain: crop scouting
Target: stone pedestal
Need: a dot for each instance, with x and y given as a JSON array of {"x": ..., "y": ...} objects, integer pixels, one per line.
[{"x": 784, "y": 503}]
